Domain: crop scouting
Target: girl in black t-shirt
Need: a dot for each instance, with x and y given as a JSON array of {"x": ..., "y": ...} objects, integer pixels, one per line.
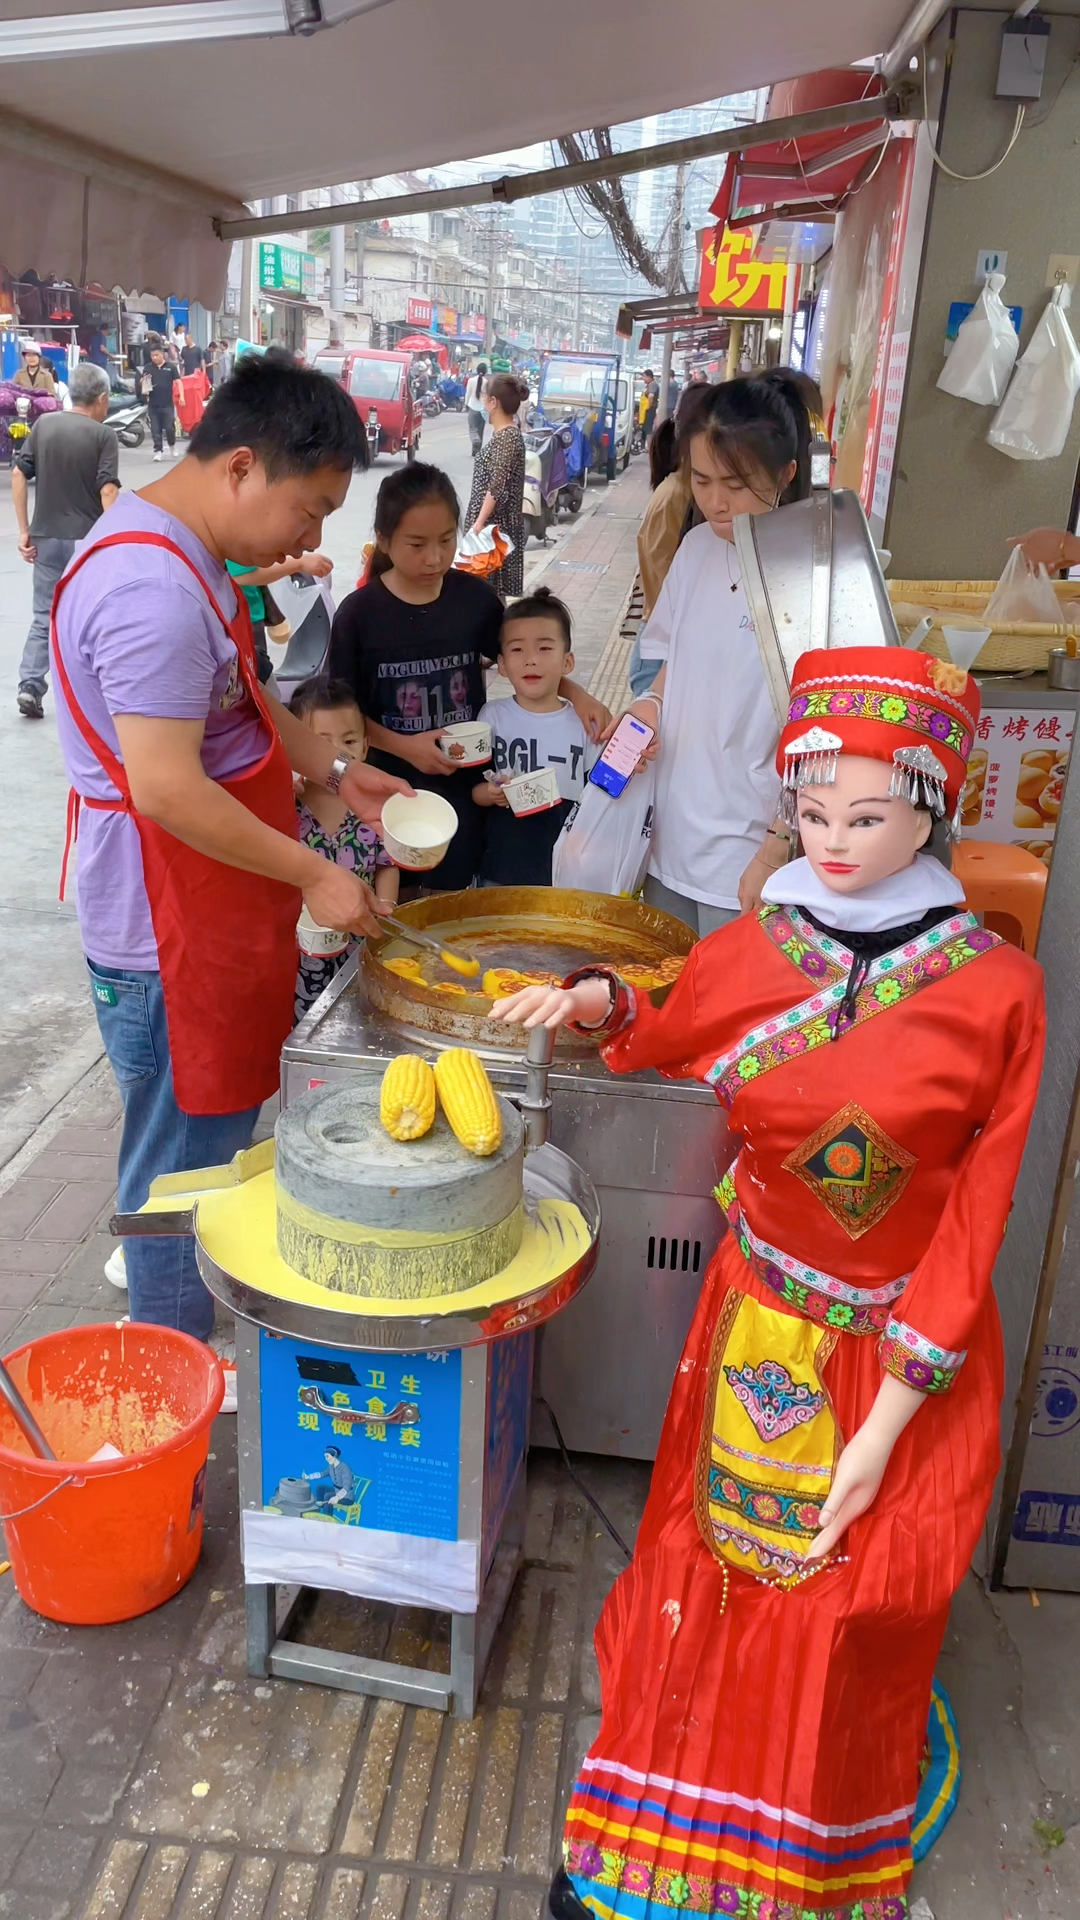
[{"x": 413, "y": 644}]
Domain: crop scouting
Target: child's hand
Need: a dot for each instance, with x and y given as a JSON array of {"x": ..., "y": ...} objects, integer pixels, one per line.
[
  {"x": 489, "y": 793},
  {"x": 423, "y": 752}
]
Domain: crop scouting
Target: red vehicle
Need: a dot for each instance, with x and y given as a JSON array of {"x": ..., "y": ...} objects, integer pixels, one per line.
[{"x": 379, "y": 386}]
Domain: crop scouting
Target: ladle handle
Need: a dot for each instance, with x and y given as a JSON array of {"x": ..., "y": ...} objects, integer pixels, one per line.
[{"x": 24, "y": 1416}]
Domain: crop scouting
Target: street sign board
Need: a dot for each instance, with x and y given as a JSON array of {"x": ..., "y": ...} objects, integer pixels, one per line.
[{"x": 733, "y": 280}]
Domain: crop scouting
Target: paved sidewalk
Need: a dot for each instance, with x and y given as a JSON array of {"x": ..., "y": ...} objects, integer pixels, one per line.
[{"x": 145, "y": 1776}]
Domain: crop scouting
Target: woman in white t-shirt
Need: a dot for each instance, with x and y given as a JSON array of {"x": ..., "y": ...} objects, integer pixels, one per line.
[{"x": 715, "y": 835}]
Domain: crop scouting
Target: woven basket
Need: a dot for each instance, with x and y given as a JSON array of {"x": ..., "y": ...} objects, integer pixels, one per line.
[{"x": 1014, "y": 647}]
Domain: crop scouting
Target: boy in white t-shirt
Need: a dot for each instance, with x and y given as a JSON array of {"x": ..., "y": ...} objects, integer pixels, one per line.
[{"x": 533, "y": 729}]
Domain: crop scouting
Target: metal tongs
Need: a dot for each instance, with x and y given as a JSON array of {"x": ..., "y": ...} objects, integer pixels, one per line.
[{"x": 458, "y": 959}]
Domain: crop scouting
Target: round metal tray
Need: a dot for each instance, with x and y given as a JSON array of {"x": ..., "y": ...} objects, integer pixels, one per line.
[
  {"x": 547, "y": 928},
  {"x": 548, "y": 1174}
]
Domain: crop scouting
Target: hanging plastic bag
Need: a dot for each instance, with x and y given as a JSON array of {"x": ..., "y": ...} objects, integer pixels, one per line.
[
  {"x": 984, "y": 350},
  {"x": 1033, "y": 420},
  {"x": 604, "y": 846},
  {"x": 1024, "y": 594},
  {"x": 483, "y": 553}
]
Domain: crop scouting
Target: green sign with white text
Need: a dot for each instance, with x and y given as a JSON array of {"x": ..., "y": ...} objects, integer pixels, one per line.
[{"x": 286, "y": 269}]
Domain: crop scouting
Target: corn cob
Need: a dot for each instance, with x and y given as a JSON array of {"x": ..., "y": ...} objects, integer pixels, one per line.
[
  {"x": 407, "y": 1098},
  {"x": 468, "y": 1100}
]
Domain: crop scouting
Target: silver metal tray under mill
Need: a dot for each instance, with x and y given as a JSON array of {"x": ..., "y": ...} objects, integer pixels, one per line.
[{"x": 548, "y": 1175}]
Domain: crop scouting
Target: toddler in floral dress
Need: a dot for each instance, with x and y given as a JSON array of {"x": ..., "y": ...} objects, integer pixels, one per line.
[{"x": 326, "y": 824}]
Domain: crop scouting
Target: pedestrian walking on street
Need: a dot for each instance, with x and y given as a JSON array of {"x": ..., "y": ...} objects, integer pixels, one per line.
[
  {"x": 474, "y": 406},
  {"x": 651, "y": 398},
  {"x": 157, "y": 386},
  {"x": 499, "y": 480},
  {"x": 73, "y": 460}
]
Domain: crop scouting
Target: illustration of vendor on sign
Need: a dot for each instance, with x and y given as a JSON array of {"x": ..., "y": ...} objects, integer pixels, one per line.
[{"x": 342, "y": 1476}]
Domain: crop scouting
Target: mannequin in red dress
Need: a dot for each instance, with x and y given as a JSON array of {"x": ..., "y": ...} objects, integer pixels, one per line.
[{"x": 831, "y": 1442}]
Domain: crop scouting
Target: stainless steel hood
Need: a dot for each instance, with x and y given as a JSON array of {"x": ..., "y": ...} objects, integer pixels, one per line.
[{"x": 812, "y": 578}]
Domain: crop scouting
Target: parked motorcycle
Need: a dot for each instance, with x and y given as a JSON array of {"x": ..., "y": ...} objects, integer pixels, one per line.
[
  {"x": 129, "y": 423},
  {"x": 554, "y": 473},
  {"x": 431, "y": 406}
]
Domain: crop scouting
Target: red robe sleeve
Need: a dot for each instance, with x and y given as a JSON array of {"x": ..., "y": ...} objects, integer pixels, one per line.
[
  {"x": 948, "y": 1289},
  {"x": 702, "y": 1016}
]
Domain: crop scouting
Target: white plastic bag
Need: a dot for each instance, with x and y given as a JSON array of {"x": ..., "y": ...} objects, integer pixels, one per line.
[
  {"x": 984, "y": 350},
  {"x": 1023, "y": 593},
  {"x": 1033, "y": 420},
  {"x": 604, "y": 846}
]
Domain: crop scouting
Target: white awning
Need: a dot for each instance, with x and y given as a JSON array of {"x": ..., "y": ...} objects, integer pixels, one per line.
[{"x": 114, "y": 165}]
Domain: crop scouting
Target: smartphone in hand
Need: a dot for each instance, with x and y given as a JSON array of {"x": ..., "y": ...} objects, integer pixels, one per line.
[{"x": 620, "y": 757}]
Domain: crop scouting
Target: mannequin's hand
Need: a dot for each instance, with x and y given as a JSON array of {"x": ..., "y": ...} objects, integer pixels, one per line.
[
  {"x": 553, "y": 1007},
  {"x": 855, "y": 1484}
]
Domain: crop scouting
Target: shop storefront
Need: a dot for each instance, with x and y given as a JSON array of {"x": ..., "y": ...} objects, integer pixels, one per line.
[{"x": 288, "y": 287}]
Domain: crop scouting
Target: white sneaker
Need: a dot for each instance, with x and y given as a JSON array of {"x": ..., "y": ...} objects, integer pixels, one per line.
[
  {"x": 225, "y": 1348},
  {"x": 159, "y": 456},
  {"x": 116, "y": 1269},
  {"x": 172, "y": 453}
]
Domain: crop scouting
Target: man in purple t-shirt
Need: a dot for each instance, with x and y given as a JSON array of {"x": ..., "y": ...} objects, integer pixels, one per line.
[{"x": 161, "y": 726}]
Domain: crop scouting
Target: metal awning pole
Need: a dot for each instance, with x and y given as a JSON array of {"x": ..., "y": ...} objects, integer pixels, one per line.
[
  {"x": 528, "y": 186},
  {"x": 914, "y": 34}
]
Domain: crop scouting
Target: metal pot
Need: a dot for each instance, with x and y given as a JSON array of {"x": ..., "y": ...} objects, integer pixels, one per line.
[{"x": 1063, "y": 670}]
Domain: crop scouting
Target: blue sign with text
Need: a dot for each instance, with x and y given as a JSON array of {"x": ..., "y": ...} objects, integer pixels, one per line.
[
  {"x": 363, "y": 1439},
  {"x": 1051, "y": 1518}
]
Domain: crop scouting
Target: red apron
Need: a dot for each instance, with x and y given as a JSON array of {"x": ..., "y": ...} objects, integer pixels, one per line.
[{"x": 226, "y": 939}]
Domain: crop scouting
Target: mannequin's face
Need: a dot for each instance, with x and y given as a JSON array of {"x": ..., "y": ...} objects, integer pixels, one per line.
[{"x": 856, "y": 832}]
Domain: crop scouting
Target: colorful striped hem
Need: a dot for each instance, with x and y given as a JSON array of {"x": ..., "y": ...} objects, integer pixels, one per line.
[
  {"x": 615, "y": 1887},
  {"x": 640, "y": 1845}
]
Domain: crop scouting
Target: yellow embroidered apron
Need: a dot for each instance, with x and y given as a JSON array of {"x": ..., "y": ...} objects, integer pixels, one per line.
[{"x": 769, "y": 1441}]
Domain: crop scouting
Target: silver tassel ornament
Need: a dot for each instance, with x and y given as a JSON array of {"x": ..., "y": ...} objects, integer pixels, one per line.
[
  {"x": 809, "y": 761},
  {"x": 918, "y": 776}
]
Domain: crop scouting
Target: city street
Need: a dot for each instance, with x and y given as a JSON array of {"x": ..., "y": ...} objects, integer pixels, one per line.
[{"x": 48, "y": 1035}]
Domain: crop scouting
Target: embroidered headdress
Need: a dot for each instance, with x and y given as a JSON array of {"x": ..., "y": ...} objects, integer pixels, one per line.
[{"x": 915, "y": 712}]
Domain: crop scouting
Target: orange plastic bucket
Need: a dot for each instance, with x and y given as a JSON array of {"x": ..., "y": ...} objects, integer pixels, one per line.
[{"x": 93, "y": 1543}]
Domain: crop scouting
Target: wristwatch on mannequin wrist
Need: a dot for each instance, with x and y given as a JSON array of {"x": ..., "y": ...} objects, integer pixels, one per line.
[{"x": 333, "y": 780}]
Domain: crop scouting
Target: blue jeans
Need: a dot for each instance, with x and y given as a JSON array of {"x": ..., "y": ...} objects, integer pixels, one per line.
[{"x": 164, "y": 1286}]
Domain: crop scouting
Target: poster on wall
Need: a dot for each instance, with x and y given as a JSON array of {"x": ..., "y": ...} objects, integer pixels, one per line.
[
  {"x": 1016, "y": 777},
  {"x": 863, "y": 286}
]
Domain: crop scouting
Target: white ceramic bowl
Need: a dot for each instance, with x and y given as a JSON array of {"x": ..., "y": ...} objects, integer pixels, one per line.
[
  {"x": 416, "y": 832},
  {"x": 466, "y": 745}
]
